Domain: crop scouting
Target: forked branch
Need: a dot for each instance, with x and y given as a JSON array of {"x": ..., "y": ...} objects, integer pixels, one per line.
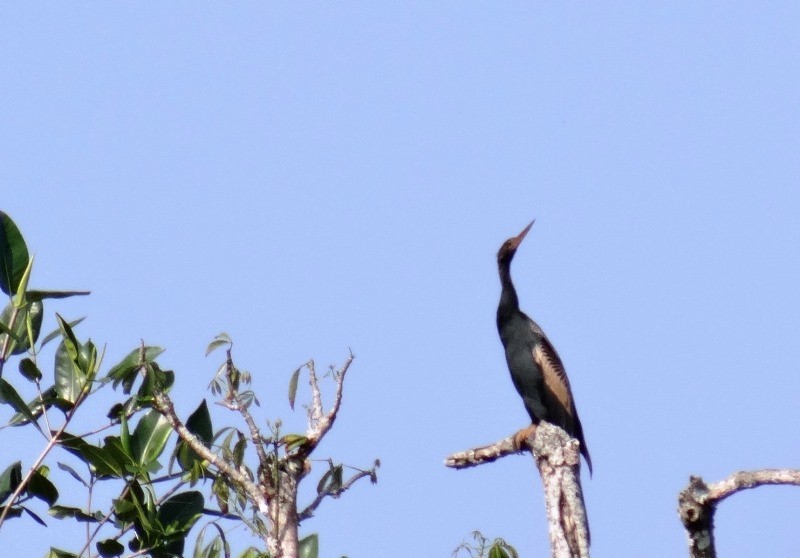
[
  {"x": 698, "y": 502},
  {"x": 557, "y": 456}
]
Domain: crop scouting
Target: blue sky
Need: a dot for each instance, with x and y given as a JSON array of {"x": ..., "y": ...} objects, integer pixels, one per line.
[{"x": 316, "y": 177}]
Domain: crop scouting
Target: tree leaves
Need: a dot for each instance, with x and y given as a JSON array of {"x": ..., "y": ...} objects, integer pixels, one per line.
[
  {"x": 293, "y": 386},
  {"x": 149, "y": 439},
  {"x": 308, "y": 547},
  {"x": 14, "y": 256}
]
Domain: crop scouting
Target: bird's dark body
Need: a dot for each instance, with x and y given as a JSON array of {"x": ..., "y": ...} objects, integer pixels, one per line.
[{"x": 536, "y": 369}]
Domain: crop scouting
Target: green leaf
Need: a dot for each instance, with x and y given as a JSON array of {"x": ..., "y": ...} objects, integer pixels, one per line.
[
  {"x": 114, "y": 449},
  {"x": 41, "y": 487},
  {"x": 179, "y": 512},
  {"x": 10, "y": 479},
  {"x": 20, "y": 298},
  {"x": 41, "y": 295},
  {"x": 56, "y": 553},
  {"x": 29, "y": 370},
  {"x": 13, "y": 255},
  {"x": 331, "y": 481},
  {"x": 292, "y": 441},
  {"x": 32, "y": 311},
  {"x": 308, "y": 547},
  {"x": 126, "y": 371},
  {"x": 37, "y": 406},
  {"x": 35, "y": 517},
  {"x": 103, "y": 462},
  {"x": 219, "y": 341},
  {"x": 56, "y": 332},
  {"x": 71, "y": 471},
  {"x": 9, "y": 396},
  {"x": 70, "y": 341},
  {"x": 149, "y": 438},
  {"x": 497, "y": 551},
  {"x": 199, "y": 424},
  {"x": 70, "y": 380},
  {"x": 293, "y": 386},
  {"x": 110, "y": 548}
]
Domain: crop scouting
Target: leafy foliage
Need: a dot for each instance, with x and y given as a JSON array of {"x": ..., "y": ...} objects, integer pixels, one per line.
[
  {"x": 150, "y": 512},
  {"x": 484, "y": 548}
]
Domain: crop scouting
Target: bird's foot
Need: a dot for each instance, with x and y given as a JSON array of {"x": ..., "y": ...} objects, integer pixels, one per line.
[{"x": 521, "y": 438}]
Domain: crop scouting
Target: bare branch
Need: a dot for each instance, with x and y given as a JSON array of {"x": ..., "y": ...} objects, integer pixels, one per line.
[
  {"x": 311, "y": 508},
  {"x": 481, "y": 455},
  {"x": 698, "y": 502},
  {"x": 557, "y": 456},
  {"x": 319, "y": 423},
  {"x": 315, "y": 412}
]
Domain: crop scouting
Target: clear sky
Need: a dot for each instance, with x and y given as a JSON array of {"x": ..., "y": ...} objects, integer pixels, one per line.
[{"x": 321, "y": 176}]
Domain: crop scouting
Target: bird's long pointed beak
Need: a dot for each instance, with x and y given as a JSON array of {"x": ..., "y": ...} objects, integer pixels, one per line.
[{"x": 517, "y": 240}]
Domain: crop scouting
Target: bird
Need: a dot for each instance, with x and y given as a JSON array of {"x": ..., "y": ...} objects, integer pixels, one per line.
[{"x": 536, "y": 369}]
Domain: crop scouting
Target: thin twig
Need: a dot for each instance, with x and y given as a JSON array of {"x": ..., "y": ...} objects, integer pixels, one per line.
[{"x": 311, "y": 508}]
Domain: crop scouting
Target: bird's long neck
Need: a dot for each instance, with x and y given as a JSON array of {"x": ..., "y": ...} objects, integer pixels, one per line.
[{"x": 509, "y": 302}]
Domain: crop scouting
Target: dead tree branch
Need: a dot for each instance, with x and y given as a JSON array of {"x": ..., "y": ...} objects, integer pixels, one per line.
[
  {"x": 557, "y": 457},
  {"x": 698, "y": 502},
  {"x": 320, "y": 422},
  {"x": 311, "y": 508}
]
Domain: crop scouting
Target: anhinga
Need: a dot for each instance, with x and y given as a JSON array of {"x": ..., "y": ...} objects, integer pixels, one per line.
[{"x": 536, "y": 369}]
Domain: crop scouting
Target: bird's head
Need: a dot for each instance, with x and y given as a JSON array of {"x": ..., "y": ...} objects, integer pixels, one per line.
[{"x": 509, "y": 247}]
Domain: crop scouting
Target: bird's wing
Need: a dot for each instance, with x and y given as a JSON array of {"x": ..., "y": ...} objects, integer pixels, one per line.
[{"x": 555, "y": 378}]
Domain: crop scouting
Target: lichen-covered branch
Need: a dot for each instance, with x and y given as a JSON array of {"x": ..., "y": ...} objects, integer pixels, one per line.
[
  {"x": 481, "y": 455},
  {"x": 319, "y": 422},
  {"x": 698, "y": 502},
  {"x": 557, "y": 457}
]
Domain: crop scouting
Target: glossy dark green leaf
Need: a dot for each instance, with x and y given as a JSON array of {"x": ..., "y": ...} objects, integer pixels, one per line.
[
  {"x": 497, "y": 551},
  {"x": 110, "y": 548},
  {"x": 87, "y": 359},
  {"x": 293, "y": 386},
  {"x": 37, "y": 407},
  {"x": 9, "y": 480},
  {"x": 32, "y": 311},
  {"x": 102, "y": 462},
  {"x": 149, "y": 438},
  {"x": 181, "y": 511},
  {"x": 308, "y": 547},
  {"x": 70, "y": 380},
  {"x": 29, "y": 370},
  {"x": 40, "y": 487},
  {"x": 41, "y": 295},
  {"x": 13, "y": 255},
  {"x": 9, "y": 396},
  {"x": 126, "y": 371},
  {"x": 115, "y": 450},
  {"x": 199, "y": 424},
  {"x": 71, "y": 342},
  {"x": 57, "y": 332}
]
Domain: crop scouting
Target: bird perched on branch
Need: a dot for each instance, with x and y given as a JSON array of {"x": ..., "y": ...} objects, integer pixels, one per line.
[{"x": 536, "y": 369}]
